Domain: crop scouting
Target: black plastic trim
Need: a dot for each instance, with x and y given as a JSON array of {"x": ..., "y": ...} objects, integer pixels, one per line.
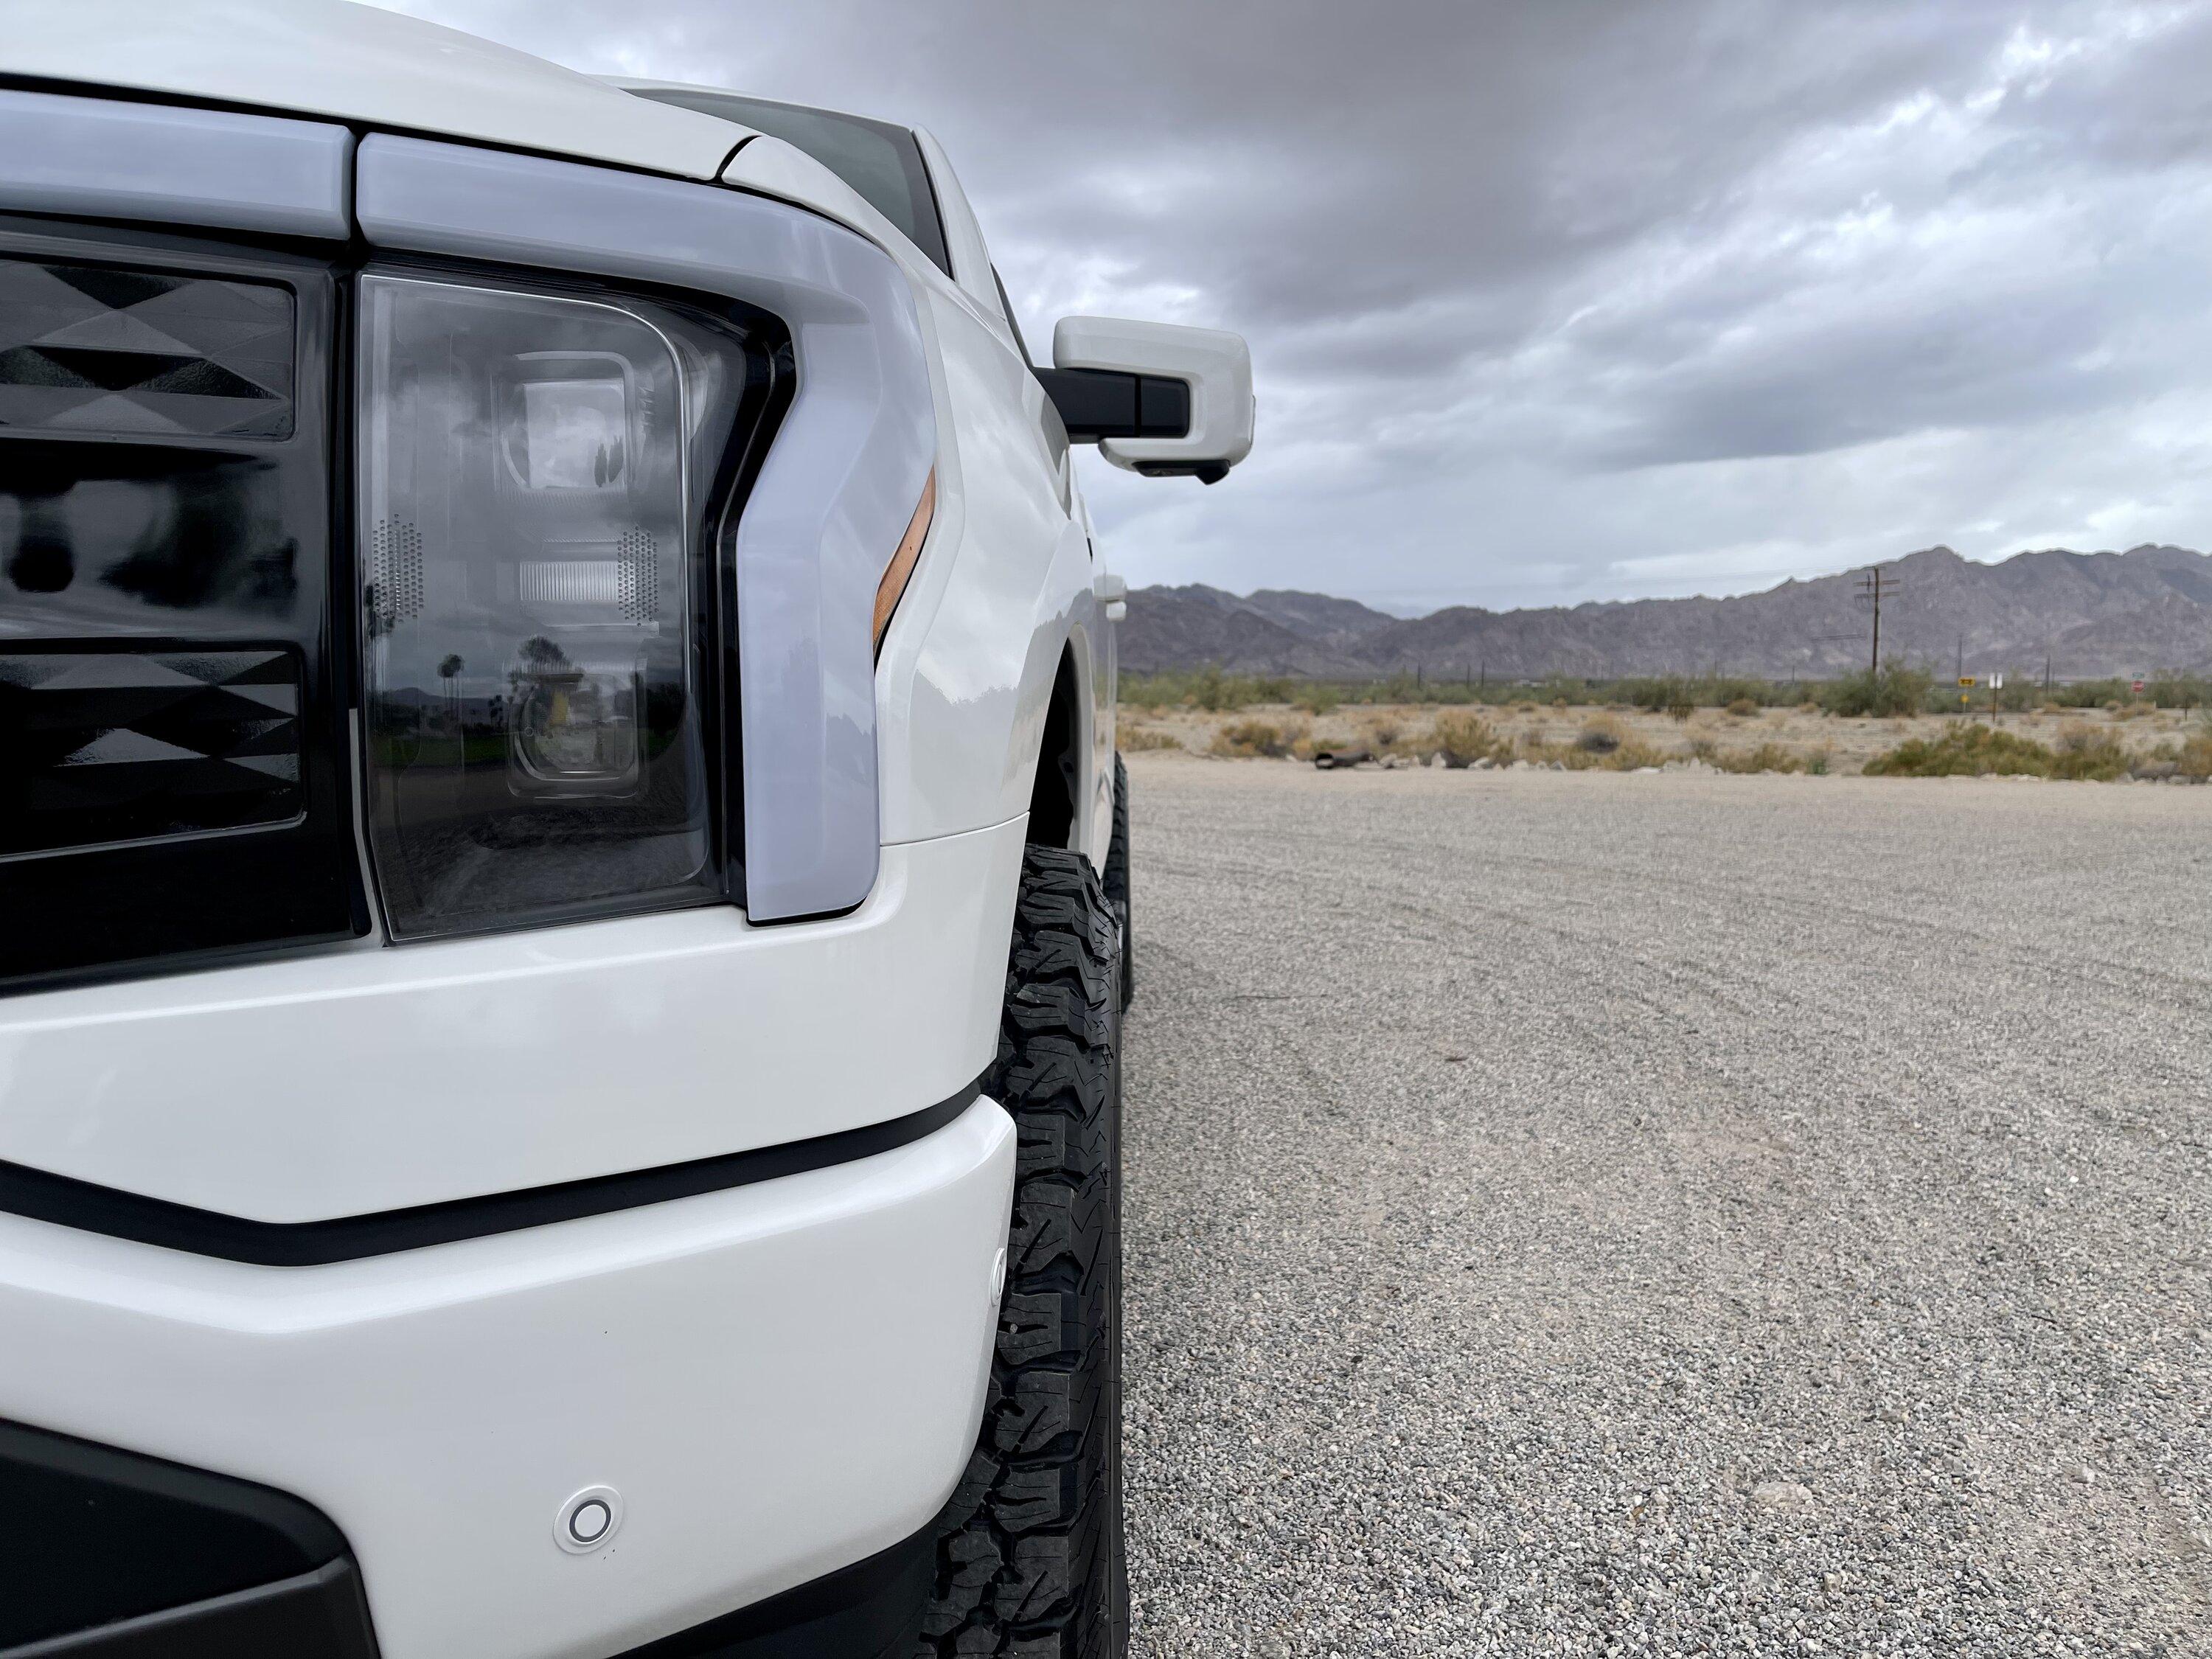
[
  {"x": 1110, "y": 403},
  {"x": 44, "y": 1196},
  {"x": 96, "y": 1541},
  {"x": 870, "y": 1610},
  {"x": 322, "y": 1614}
]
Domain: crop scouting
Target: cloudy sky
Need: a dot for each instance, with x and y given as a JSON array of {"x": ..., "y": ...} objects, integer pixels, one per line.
[{"x": 1557, "y": 300}]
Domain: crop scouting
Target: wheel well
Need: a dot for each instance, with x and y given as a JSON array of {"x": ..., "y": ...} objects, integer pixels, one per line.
[{"x": 1054, "y": 795}]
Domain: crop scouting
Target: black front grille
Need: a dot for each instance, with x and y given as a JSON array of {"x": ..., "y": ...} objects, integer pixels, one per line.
[
  {"x": 174, "y": 758},
  {"x": 93, "y": 348},
  {"x": 134, "y": 745}
]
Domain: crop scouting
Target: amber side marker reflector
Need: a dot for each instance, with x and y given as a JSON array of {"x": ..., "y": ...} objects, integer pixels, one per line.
[{"x": 896, "y": 574}]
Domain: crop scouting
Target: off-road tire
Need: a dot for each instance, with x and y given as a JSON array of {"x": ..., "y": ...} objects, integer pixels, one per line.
[
  {"x": 1117, "y": 878},
  {"x": 1030, "y": 1561}
]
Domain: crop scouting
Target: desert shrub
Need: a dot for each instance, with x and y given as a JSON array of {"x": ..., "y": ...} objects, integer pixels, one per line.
[
  {"x": 1659, "y": 694},
  {"x": 1663, "y": 694},
  {"x": 1817, "y": 763},
  {"x": 1633, "y": 753},
  {"x": 1964, "y": 750},
  {"x": 1600, "y": 736},
  {"x": 1320, "y": 699},
  {"x": 1892, "y": 690},
  {"x": 1206, "y": 688},
  {"x": 2085, "y": 694},
  {"x": 1967, "y": 749},
  {"x": 1723, "y": 690},
  {"x": 1766, "y": 757},
  {"x": 1384, "y": 733},
  {"x": 1256, "y": 739},
  {"x": 2169, "y": 690},
  {"x": 2083, "y": 752},
  {"x": 1136, "y": 739},
  {"x": 1626, "y": 754},
  {"x": 1462, "y": 739},
  {"x": 1742, "y": 707},
  {"x": 1213, "y": 691},
  {"x": 2195, "y": 759}
]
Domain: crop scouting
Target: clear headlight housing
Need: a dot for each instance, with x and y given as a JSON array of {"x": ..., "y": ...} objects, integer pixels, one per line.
[{"x": 535, "y": 471}]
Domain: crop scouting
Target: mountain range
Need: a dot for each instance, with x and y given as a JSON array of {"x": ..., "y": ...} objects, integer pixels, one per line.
[{"x": 2087, "y": 615}]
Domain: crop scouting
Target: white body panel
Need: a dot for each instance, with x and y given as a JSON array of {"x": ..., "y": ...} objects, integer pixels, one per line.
[
  {"x": 778, "y": 1380},
  {"x": 768, "y": 166},
  {"x": 370, "y": 1080},
  {"x": 1003, "y": 588}
]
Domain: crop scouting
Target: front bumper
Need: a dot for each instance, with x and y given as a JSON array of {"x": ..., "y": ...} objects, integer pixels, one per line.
[{"x": 776, "y": 1379}]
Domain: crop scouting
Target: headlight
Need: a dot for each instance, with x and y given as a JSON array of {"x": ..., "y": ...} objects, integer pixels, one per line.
[{"x": 533, "y": 469}]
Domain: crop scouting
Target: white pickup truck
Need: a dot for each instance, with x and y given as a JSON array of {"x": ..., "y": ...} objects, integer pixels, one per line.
[{"x": 548, "y": 643}]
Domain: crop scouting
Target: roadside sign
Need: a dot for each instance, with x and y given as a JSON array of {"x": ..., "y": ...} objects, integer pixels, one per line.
[
  {"x": 2139, "y": 688},
  {"x": 1966, "y": 682},
  {"x": 1996, "y": 682}
]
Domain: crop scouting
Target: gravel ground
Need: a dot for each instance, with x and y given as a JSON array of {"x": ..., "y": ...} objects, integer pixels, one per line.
[{"x": 1595, "y": 1213}]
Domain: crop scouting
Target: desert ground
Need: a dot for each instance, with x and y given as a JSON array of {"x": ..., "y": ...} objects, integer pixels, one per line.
[
  {"x": 1592, "y": 1213},
  {"x": 1843, "y": 744}
]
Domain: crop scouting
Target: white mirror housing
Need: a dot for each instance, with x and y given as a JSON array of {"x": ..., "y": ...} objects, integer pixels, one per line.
[{"x": 1215, "y": 365}]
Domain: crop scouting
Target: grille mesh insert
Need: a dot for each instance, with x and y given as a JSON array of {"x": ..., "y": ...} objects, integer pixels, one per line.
[
  {"x": 91, "y": 349},
  {"x": 114, "y": 746}
]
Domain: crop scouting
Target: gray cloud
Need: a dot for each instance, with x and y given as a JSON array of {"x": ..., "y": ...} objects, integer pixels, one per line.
[{"x": 1568, "y": 301}]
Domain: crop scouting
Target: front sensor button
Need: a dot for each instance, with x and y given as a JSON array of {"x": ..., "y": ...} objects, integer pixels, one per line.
[{"x": 587, "y": 1520}]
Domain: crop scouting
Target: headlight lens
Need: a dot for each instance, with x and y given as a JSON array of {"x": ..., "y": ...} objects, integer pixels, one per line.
[{"x": 530, "y": 472}]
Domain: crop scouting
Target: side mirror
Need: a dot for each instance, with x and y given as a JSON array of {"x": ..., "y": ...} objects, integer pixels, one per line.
[{"x": 1159, "y": 399}]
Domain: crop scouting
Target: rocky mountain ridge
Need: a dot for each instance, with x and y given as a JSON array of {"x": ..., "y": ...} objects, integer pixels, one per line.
[{"x": 2090, "y": 614}]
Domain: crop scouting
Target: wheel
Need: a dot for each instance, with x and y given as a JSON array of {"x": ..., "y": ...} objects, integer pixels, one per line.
[
  {"x": 1029, "y": 1556},
  {"x": 1117, "y": 878}
]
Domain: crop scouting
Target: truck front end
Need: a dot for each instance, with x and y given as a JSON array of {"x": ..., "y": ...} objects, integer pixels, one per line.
[{"x": 492, "y": 1160}]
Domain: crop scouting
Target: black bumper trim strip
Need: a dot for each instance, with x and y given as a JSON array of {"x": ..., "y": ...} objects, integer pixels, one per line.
[{"x": 44, "y": 1196}]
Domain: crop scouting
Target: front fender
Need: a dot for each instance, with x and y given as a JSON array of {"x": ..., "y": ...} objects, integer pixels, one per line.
[{"x": 1002, "y": 587}]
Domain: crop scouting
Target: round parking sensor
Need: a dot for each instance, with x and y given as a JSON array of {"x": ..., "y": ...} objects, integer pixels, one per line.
[{"x": 587, "y": 1520}]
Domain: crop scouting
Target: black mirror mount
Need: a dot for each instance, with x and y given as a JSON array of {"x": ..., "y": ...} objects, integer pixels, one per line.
[{"x": 1095, "y": 404}]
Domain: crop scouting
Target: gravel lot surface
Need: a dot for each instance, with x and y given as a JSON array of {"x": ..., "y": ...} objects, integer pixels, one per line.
[{"x": 1597, "y": 1213}]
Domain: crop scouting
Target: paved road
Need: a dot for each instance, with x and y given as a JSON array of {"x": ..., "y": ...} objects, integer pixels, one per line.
[{"x": 1588, "y": 1213}]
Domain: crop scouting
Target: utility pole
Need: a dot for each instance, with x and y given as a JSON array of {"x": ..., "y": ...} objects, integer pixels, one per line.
[{"x": 1873, "y": 587}]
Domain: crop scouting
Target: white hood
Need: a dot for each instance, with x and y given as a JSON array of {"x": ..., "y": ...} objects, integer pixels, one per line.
[{"x": 357, "y": 64}]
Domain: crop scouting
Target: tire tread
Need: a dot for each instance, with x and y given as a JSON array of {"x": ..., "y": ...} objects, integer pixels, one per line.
[{"x": 1028, "y": 1562}]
